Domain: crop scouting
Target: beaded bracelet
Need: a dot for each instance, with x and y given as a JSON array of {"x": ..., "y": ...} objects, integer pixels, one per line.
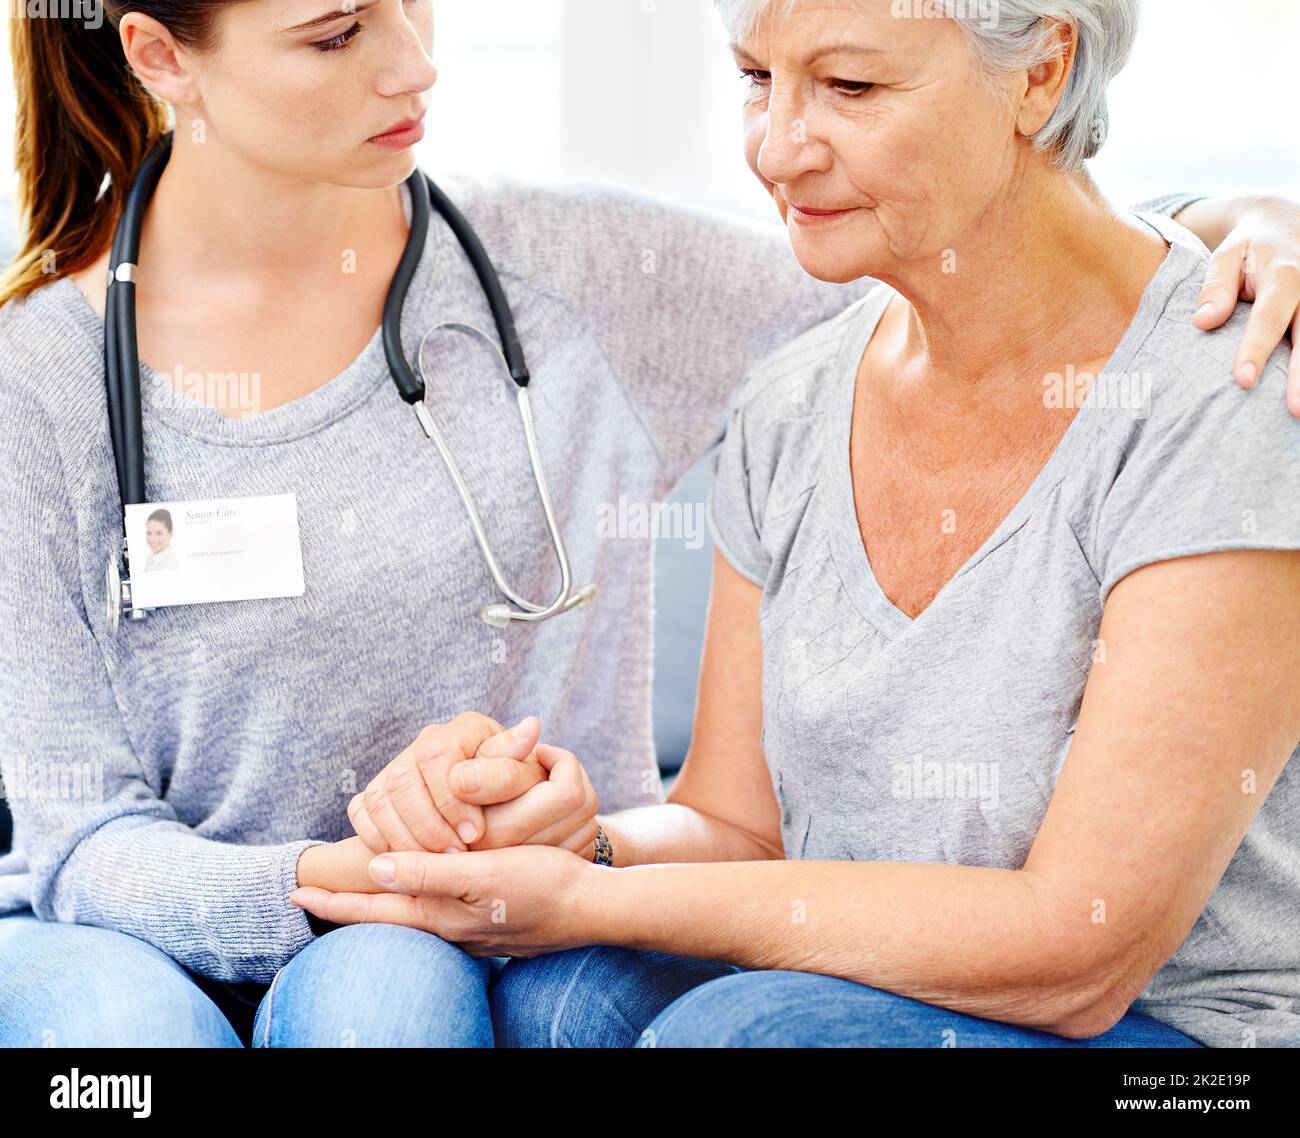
[{"x": 604, "y": 851}]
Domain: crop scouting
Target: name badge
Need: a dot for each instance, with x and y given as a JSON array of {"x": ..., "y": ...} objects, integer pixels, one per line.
[{"x": 229, "y": 549}]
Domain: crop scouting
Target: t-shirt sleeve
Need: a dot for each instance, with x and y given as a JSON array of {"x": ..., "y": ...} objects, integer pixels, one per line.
[
  {"x": 1218, "y": 470},
  {"x": 1168, "y": 205},
  {"x": 732, "y": 509}
]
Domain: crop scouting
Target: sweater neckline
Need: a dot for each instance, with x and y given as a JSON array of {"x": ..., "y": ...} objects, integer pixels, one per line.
[{"x": 164, "y": 403}]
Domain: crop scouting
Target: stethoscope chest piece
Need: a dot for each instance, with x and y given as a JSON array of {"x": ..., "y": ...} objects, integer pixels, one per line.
[
  {"x": 117, "y": 593},
  {"x": 113, "y": 589}
]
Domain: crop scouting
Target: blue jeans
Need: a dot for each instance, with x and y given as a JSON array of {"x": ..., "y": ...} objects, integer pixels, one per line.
[
  {"x": 388, "y": 986},
  {"x": 67, "y": 985},
  {"x": 619, "y": 997}
]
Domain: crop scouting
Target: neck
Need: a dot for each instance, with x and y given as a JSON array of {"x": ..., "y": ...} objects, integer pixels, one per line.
[
  {"x": 1051, "y": 268},
  {"x": 216, "y": 213}
]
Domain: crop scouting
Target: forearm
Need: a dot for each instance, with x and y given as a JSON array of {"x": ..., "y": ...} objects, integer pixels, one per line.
[
  {"x": 219, "y": 909},
  {"x": 968, "y": 938},
  {"x": 674, "y": 832}
]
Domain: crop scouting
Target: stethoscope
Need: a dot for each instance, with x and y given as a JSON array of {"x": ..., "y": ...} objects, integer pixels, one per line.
[{"x": 125, "y": 417}]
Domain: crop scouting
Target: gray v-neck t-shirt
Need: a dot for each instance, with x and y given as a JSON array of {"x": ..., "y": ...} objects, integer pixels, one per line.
[{"x": 939, "y": 739}]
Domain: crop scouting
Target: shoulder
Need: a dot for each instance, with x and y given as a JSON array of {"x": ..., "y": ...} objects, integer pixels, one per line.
[
  {"x": 1195, "y": 463},
  {"x": 44, "y": 342},
  {"x": 780, "y": 414},
  {"x": 1188, "y": 373},
  {"x": 52, "y": 396},
  {"x": 516, "y": 203},
  {"x": 801, "y": 380},
  {"x": 557, "y": 228}
]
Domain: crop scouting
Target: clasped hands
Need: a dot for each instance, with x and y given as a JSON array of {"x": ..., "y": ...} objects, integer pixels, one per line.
[{"x": 479, "y": 834}]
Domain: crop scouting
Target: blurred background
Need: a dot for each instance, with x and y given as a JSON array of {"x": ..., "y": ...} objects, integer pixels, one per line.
[{"x": 643, "y": 92}]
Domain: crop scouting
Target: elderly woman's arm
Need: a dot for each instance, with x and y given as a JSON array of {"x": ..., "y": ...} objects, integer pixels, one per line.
[
  {"x": 721, "y": 807},
  {"x": 1169, "y": 766}
]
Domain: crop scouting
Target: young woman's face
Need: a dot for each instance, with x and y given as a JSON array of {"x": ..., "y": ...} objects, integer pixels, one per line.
[
  {"x": 307, "y": 100},
  {"x": 851, "y": 107},
  {"x": 158, "y": 536}
]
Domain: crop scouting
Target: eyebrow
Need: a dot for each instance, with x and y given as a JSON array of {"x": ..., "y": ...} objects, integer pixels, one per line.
[
  {"x": 329, "y": 17},
  {"x": 812, "y": 57}
]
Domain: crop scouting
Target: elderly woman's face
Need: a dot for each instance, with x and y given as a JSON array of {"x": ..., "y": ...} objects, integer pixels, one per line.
[{"x": 888, "y": 119}]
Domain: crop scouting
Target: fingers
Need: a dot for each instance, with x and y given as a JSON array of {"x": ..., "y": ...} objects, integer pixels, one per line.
[
  {"x": 409, "y": 805},
  {"x": 1270, "y": 317},
  {"x": 418, "y": 796},
  {"x": 420, "y": 874},
  {"x": 517, "y": 743},
  {"x": 501, "y": 771},
  {"x": 465, "y": 819},
  {"x": 366, "y": 830},
  {"x": 583, "y": 840},
  {"x": 404, "y": 805},
  {"x": 362, "y": 908},
  {"x": 1248, "y": 270},
  {"x": 1293, "y": 382},
  {"x": 555, "y": 812},
  {"x": 572, "y": 786},
  {"x": 1222, "y": 286}
]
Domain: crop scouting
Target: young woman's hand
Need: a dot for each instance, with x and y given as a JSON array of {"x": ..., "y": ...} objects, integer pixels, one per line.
[
  {"x": 339, "y": 867},
  {"x": 1259, "y": 261},
  {"x": 410, "y": 804}
]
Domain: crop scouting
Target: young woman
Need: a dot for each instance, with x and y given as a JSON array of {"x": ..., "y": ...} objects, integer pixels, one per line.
[
  {"x": 227, "y": 743},
  {"x": 997, "y": 731},
  {"x": 158, "y": 536}
]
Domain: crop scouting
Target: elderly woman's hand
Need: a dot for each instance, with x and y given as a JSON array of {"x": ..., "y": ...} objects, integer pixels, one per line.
[
  {"x": 515, "y": 902},
  {"x": 1259, "y": 261},
  {"x": 411, "y": 804}
]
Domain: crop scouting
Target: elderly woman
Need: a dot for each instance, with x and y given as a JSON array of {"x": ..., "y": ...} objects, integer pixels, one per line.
[
  {"x": 153, "y": 909},
  {"x": 998, "y": 693}
]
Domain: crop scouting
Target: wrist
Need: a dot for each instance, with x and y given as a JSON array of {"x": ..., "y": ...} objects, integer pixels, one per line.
[
  {"x": 305, "y": 873},
  {"x": 594, "y": 903}
]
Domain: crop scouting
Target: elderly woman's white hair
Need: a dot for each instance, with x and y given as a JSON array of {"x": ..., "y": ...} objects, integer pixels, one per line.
[{"x": 1013, "y": 35}]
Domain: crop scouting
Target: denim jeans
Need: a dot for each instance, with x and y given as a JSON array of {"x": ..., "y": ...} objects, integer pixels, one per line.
[
  {"x": 68, "y": 985},
  {"x": 388, "y": 986},
  {"x": 618, "y": 997}
]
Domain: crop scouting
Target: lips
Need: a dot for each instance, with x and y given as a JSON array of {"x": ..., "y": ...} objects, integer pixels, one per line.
[
  {"x": 397, "y": 128},
  {"x": 809, "y": 215}
]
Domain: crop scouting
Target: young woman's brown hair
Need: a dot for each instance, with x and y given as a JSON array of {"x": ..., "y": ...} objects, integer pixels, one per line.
[{"x": 82, "y": 117}]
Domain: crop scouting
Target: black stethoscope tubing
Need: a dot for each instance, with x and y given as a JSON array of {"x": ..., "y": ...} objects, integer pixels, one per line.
[
  {"x": 121, "y": 349},
  {"x": 125, "y": 414}
]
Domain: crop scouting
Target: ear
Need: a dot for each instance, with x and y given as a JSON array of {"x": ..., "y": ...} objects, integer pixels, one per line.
[
  {"x": 1045, "y": 84},
  {"x": 157, "y": 60}
]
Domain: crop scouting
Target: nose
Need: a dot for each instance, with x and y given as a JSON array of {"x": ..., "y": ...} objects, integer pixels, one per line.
[
  {"x": 410, "y": 68},
  {"x": 788, "y": 148}
]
